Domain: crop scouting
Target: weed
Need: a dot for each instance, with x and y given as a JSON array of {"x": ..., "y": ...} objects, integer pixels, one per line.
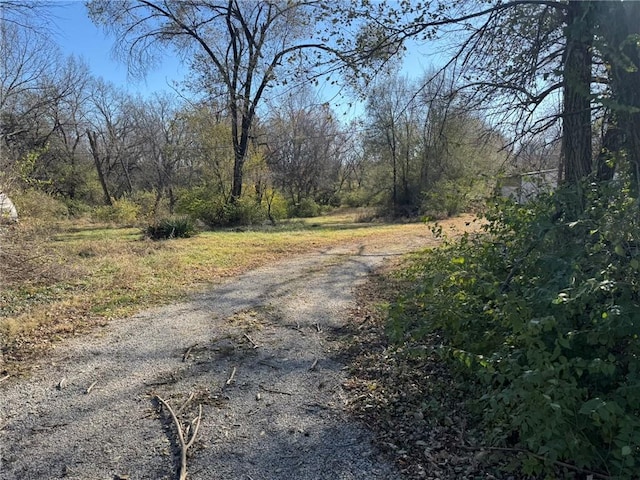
[{"x": 172, "y": 227}]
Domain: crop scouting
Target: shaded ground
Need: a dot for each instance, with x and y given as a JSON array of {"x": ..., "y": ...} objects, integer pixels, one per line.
[
  {"x": 410, "y": 399},
  {"x": 255, "y": 354}
]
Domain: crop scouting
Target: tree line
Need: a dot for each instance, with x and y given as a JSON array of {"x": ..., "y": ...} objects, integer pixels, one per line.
[
  {"x": 540, "y": 315},
  {"x": 256, "y": 142},
  {"x": 522, "y": 77}
]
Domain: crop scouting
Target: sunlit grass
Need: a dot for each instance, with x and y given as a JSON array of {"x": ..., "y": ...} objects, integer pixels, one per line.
[{"x": 114, "y": 272}]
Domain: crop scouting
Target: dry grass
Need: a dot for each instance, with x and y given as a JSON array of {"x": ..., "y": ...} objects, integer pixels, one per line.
[{"x": 76, "y": 277}]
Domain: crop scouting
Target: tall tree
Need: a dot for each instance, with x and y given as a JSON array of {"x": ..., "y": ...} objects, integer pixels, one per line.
[
  {"x": 618, "y": 41},
  {"x": 304, "y": 147},
  {"x": 576, "y": 82},
  {"x": 245, "y": 47},
  {"x": 112, "y": 139},
  {"x": 520, "y": 58},
  {"x": 162, "y": 143}
]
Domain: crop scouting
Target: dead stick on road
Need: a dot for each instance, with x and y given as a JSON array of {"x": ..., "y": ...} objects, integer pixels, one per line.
[
  {"x": 255, "y": 345},
  {"x": 314, "y": 365},
  {"x": 272, "y": 390},
  {"x": 188, "y": 352},
  {"x": 184, "y": 443},
  {"x": 233, "y": 374},
  {"x": 185, "y": 403},
  {"x": 88, "y": 390}
]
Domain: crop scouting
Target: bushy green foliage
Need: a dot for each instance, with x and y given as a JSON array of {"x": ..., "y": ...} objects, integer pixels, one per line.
[
  {"x": 122, "y": 212},
  {"x": 445, "y": 199},
  {"x": 356, "y": 198},
  {"x": 37, "y": 205},
  {"x": 276, "y": 205},
  {"x": 244, "y": 211},
  {"x": 171, "y": 227},
  {"x": 217, "y": 211},
  {"x": 149, "y": 207},
  {"x": 306, "y": 207},
  {"x": 77, "y": 208},
  {"x": 201, "y": 203},
  {"x": 544, "y": 311}
]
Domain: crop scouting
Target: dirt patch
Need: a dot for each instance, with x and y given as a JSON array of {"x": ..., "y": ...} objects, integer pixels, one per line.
[{"x": 254, "y": 354}]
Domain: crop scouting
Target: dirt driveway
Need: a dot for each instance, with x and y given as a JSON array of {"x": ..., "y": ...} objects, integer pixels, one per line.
[{"x": 253, "y": 354}]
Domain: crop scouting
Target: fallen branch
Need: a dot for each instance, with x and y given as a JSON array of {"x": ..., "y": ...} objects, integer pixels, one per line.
[
  {"x": 88, "y": 390},
  {"x": 188, "y": 352},
  {"x": 4, "y": 378},
  {"x": 255, "y": 345},
  {"x": 232, "y": 376},
  {"x": 185, "y": 403},
  {"x": 271, "y": 390},
  {"x": 314, "y": 365},
  {"x": 184, "y": 443}
]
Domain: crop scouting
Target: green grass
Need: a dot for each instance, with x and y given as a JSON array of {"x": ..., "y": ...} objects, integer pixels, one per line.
[{"x": 96, "y": 273}]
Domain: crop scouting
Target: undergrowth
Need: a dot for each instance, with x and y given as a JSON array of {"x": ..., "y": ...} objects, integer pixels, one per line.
[
  {"x": 543, "y": 312},
  {"x": 171, "y": 227}
]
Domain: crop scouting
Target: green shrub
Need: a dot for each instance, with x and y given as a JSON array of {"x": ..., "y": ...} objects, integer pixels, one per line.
[
  {"x": 216, "y": 211},
  {"x": 37, "y": 205},
  {"x": 202, "y": 203},
  {"x": 276, "y": 206},
  {"x": 356, "y": 198},
  {"x": 122, "y": 212},
  {"x": 307, "y": 207},
  {"x": 77, "y": 208},
  {"x": 149, "y": 209},
  {"x": 244, "y": 211},
  {"x": 544, "y": 311},
  {"x": 171, "y": 227},
  {"x": 446, "y": 199}
]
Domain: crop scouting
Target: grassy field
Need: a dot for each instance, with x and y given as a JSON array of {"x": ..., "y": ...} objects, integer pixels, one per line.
[{"x": 81, "y": 276}]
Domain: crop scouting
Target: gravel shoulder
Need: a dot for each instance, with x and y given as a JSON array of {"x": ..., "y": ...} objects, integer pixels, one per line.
[{"x": 254, "y": 353}]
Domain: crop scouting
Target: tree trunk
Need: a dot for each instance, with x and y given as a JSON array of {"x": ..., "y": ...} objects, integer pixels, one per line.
[
  {"x": 612, "y": 142},
  {"x": 623, "y": 24},
  {"x": 576, "y": 116},
  {"x": 236, "y": 187},
  {"x": 93, "y": 143},
  {"x": 241, "y": 147}
]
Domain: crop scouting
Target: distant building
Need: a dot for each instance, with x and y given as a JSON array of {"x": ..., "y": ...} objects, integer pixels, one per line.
[
  {"x": 522, "y": 187},
  {"x": 7, "y": 209}
]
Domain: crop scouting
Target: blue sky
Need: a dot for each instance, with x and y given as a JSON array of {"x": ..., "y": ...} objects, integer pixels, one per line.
[{"x": 77, "y": 35}]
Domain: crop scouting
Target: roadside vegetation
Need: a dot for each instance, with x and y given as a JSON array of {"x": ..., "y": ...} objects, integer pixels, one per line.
[
  {"x": 62, "y": 278},
  {"x": 536, "y": 321}
]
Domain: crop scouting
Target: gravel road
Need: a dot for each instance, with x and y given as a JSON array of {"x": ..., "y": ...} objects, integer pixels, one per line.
[{"x": 253, "y": 354}]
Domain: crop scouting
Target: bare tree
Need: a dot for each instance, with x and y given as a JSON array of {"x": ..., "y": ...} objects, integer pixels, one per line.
[
  {"x": 162, "y": 132},
  {"x": 112, "y": 142},
  {"x": 518, "y": 58},
  {"x": 245, "y": 47},
  {"x": 305, "y": 146},
  {"x": 25, "y": 72}
]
